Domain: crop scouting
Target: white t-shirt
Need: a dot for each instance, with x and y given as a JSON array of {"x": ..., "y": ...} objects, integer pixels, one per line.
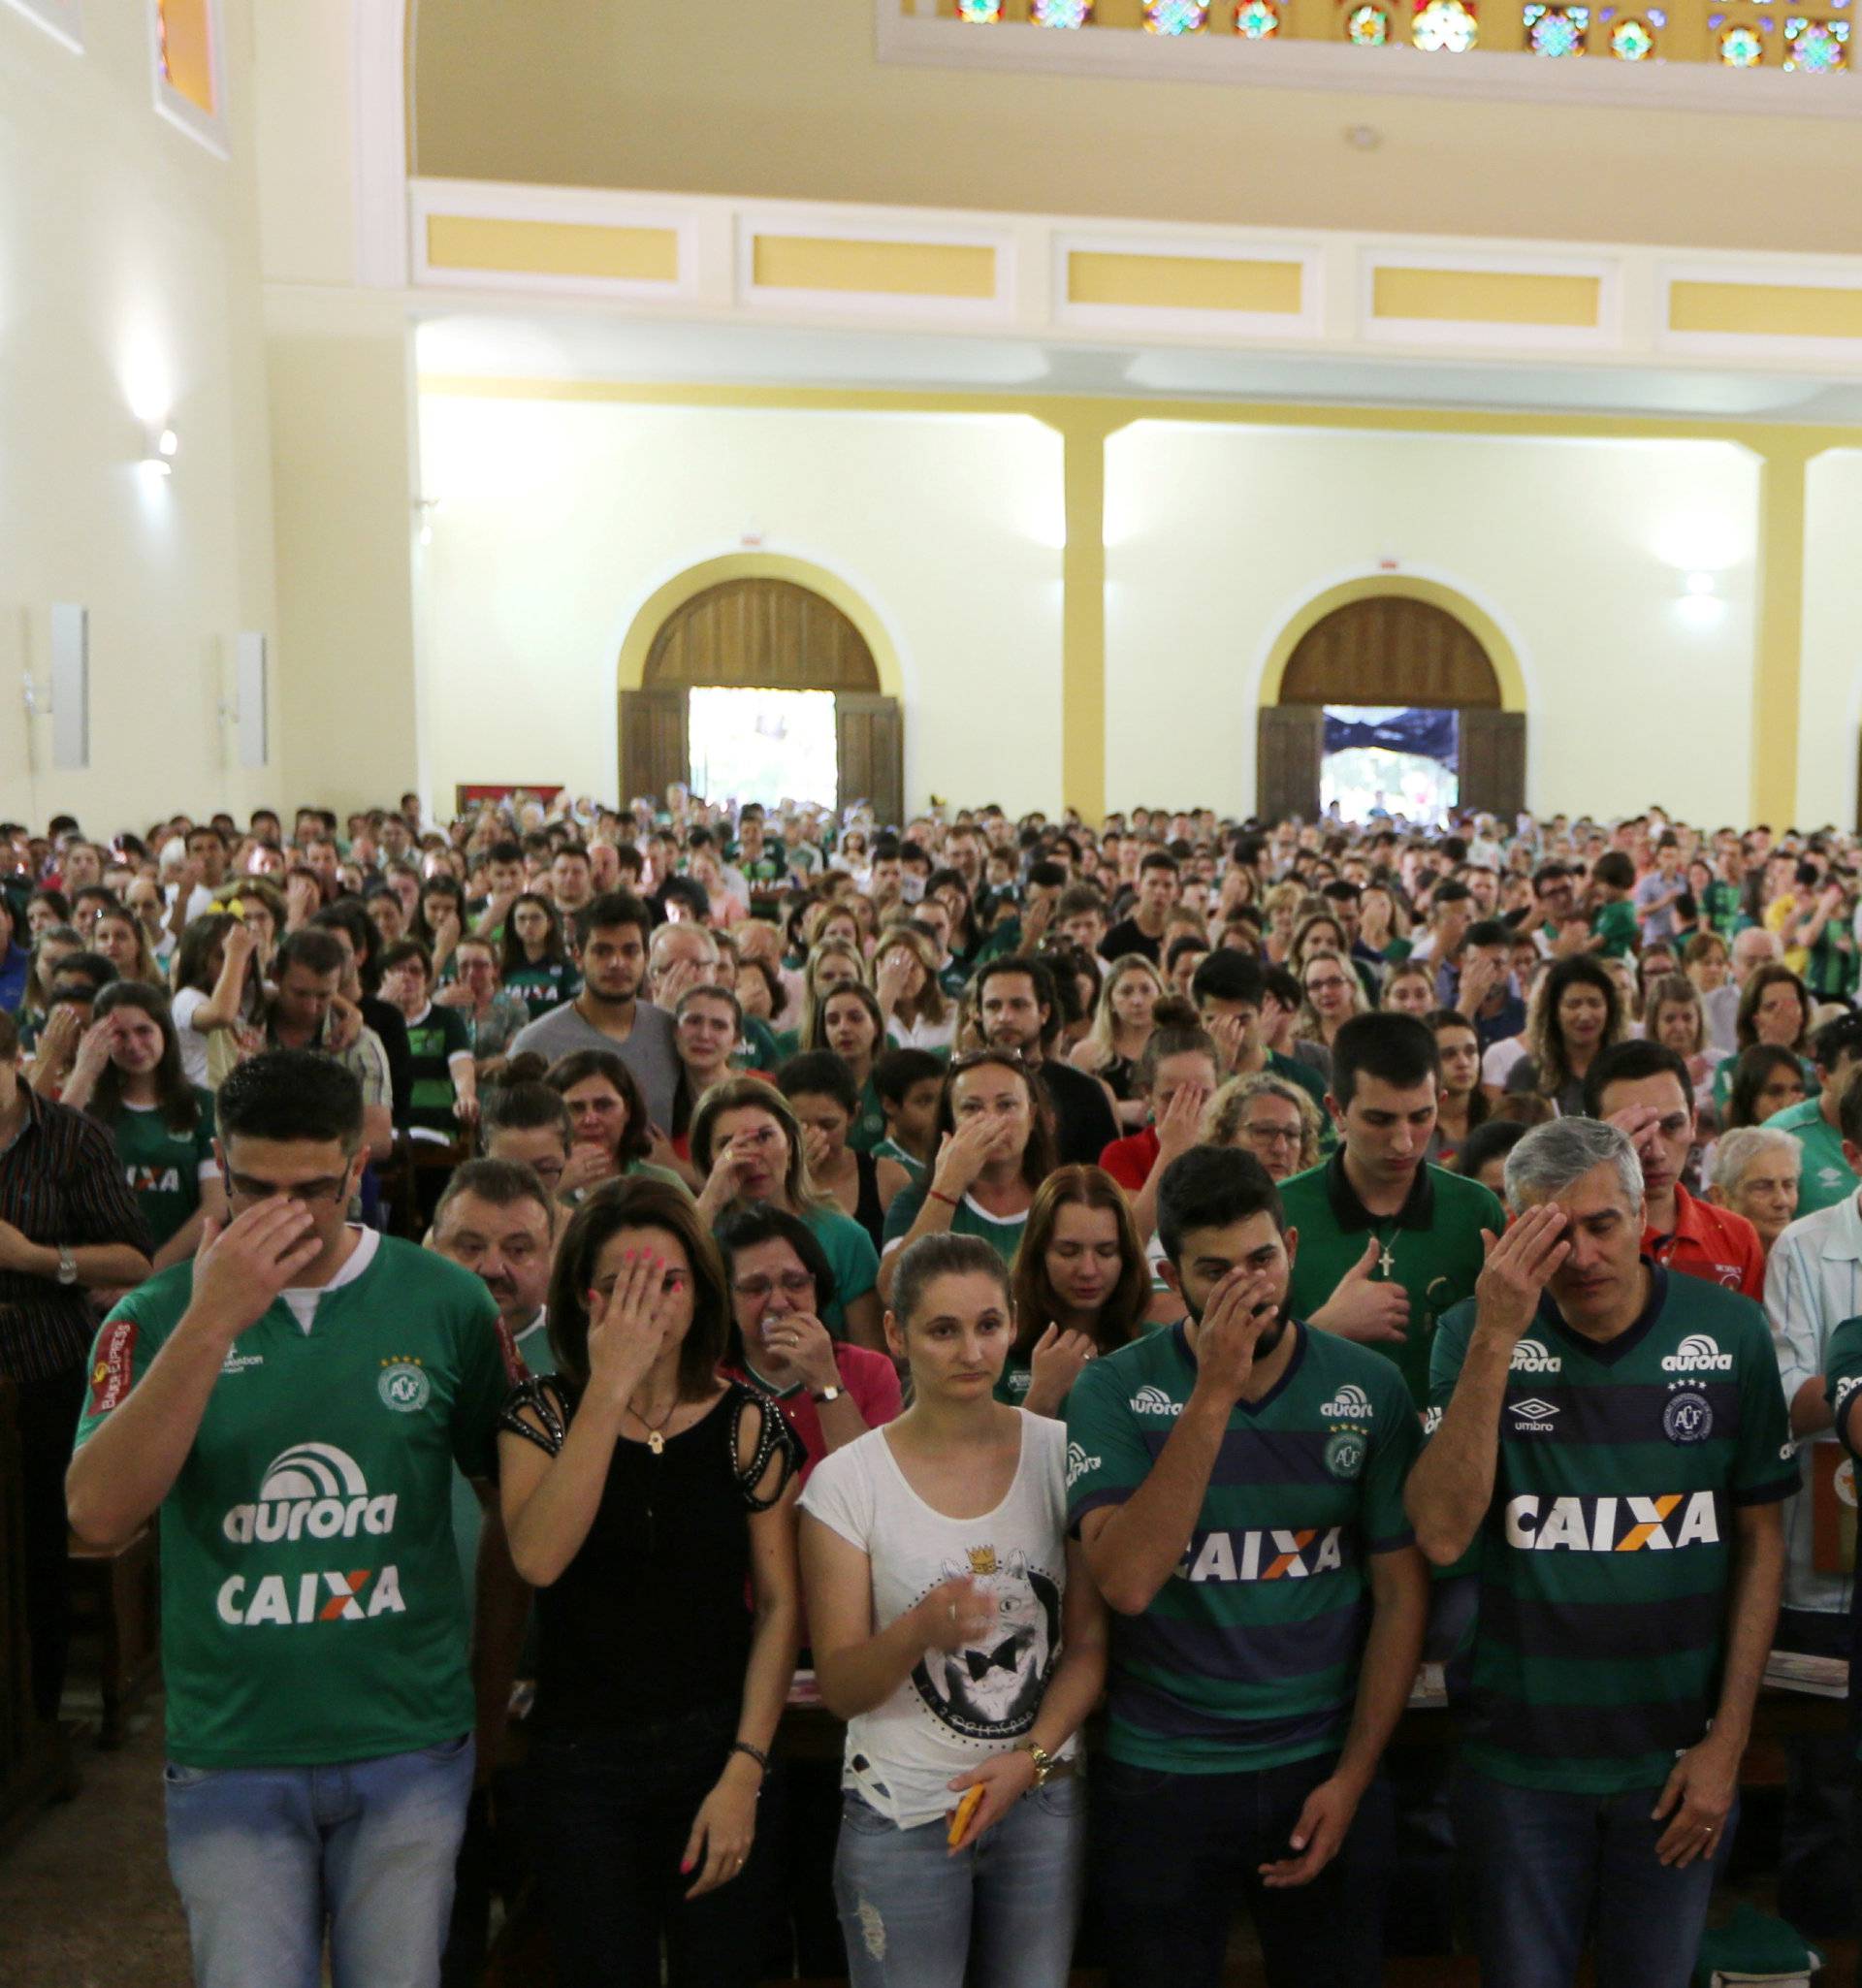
[
  {"x": 183, "y": 1009},
  {"x": 1496, "y": 1066},
  {"x": 303, "y": 1297},
  {"x": 959, "y": 1708}
]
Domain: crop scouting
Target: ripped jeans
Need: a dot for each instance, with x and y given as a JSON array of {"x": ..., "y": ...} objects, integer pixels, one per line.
[{"x": 1001, "y": 1915}]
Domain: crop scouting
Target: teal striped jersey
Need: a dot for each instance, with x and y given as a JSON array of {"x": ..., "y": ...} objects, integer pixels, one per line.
[
  {"x": 1606, "y": 1557},
  {"x": 1248, "y": 1656}
]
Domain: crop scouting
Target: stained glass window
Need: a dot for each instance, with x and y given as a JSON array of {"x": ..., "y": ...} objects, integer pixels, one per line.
[
  {"x": 1367, "y": 26},
  {"x": 1631, "y": 42},
  {"x": 1555, "y": 30},
  {"x": 1176, "y": 16},
  {"x": 1257, "y": 20},
  {"x": 1446, "y": 25},
  {"x": 1741, "y": 47},
  {"x": 1818, "y": 45},
  {"x": 1061, "y": 12},
  {"x": 184, "y": 48},
  {"x": 980, "y": 12}
]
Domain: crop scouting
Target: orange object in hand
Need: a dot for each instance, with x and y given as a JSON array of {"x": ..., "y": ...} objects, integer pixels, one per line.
[{"x": 966, "y": 1809}]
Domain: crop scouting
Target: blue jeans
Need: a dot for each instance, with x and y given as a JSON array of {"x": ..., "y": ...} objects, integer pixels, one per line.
[
  {"x": 265, "y": 1857},
  {"x": 999, "y": 1915},
  {"x": 1174, "y": 1854},
  {"x": 1552, "y": 1869}
]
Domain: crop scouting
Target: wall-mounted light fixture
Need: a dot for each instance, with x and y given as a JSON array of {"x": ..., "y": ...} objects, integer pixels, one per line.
[{"x": 160, "y": 446}]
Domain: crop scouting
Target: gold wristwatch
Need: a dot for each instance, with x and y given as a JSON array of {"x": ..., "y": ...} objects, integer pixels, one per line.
[{"x": 1042, "y": 1759}]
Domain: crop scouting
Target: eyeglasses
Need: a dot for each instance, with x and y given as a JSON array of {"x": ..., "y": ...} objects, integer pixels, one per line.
[
  {"x": 791, "y": 1284},
  {"x": 1272, "y": 1135},
  {"x": 1328, "y": 984}
]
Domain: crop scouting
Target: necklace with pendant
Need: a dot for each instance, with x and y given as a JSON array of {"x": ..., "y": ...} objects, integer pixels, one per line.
[
  {"x": 1387, "y": 1260},
  {"x": 655, "y": 1439}
]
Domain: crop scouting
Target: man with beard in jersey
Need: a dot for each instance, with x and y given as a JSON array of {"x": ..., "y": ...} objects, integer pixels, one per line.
[{"x": 1255, "y": 1676}]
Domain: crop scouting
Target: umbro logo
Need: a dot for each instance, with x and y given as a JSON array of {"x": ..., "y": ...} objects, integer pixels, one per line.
[
  {"x": 1698, "y": 1353},
  {"x": 1351, "y": 1403},
  {"x": 1154, "y": 1400},
  {"x": 1532, "y": 1414}
]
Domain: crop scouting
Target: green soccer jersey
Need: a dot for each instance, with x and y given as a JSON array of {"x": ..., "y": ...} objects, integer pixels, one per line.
[
  {"x": 1432, "y": 1244},
  {"x": 1248, "y": 1656},
  {"x": 312, "y": 1605},
  {"x": 433, "y": 1039},
  {"x": 968, "y": 1218},
  {"x": 890, "y": 1150},
  {"x": 869, "y": 1122},
  {"x": 544, "y": 986},
  {"x": 165, "y": 1169},
  {"x": 1615, "y": 924},
  {"x": 1827, "y": 1176},
  {"x": 1606, "y": 1556}
]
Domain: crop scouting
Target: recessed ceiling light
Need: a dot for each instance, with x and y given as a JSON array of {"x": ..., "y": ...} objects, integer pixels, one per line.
[{"x": 1364, "y": 138}]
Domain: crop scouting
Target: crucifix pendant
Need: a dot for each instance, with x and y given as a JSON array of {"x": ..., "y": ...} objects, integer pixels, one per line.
[
  {"x": 1387, "y": 1262},
  {"x": 655, "y": 1442}
]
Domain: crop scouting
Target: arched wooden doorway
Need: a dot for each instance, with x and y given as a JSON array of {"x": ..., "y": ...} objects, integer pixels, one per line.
[
  {"x": 768, "y": 634},
  {"x": 1388, "y": 648}
]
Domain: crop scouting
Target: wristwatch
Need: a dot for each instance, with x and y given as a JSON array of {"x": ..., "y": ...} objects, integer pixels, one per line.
[
  {"x": 67, "y": 1264},
  {"x": 1042, "y": 1759},
  {"x": 828, "y": 1394}
]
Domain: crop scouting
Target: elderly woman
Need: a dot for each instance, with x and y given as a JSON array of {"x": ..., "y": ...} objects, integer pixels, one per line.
[
  {"x": 1755, "y": 1173},
  {"x": 1268, "y": 1116}
]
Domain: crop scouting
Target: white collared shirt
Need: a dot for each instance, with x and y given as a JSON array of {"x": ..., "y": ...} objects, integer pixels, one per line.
[{"x": 1813, "y": 1283}]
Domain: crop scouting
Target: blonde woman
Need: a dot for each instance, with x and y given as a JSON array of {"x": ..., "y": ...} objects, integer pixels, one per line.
[
  {"x": 1268, "y": 1116},
  {"x": 831, "y": 963},
  {"x": 1282, "y": 905},
  {"x": 1122, "y": 1024},
  {"x": 919, "y": 1013},
  {"x": 1674, "y": 1016},
  {"x": 1334, "y": 995}
]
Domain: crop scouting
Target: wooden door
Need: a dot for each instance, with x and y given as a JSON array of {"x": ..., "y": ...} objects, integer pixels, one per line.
[
  {"x": 653, "y": 749},
  {"x": 869, "y": 751},
  {"x": 1492, "y": 769},
  {"x": 1390, "y": 650},
  {"x": 1288, "y": 741},
  {"x": 760, "y": 635}
]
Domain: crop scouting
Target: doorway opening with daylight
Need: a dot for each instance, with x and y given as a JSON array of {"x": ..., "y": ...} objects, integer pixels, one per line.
[
  {"x": 1385, "y": 759},
  {"x": 763, "y": 745}
]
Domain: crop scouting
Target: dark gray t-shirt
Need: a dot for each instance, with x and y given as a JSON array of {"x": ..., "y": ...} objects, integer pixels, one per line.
[{"x": 648, "y": 1051}]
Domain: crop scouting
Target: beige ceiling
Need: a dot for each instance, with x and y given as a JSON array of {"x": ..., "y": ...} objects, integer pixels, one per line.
[{"x": 785, "y": 98}]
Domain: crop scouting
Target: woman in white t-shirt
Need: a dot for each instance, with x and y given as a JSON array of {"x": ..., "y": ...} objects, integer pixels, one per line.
[
  {"x": 217, "y": 986},
  {"x": 956, "y": 1630}
]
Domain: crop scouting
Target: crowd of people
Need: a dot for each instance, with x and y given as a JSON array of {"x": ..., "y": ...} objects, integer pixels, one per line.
[{"x": 1092, "y": 1309}]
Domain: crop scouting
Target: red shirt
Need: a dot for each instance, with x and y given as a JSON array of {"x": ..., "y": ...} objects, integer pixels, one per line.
[
  {"x": 1128, "y": 1160},
  {"x": 869, "y": 1378},
  {"x": 1710, "y": 1242}
]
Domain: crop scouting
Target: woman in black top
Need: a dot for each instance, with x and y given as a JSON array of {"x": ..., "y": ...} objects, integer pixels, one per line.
[{"x": 645, "y": 1498}]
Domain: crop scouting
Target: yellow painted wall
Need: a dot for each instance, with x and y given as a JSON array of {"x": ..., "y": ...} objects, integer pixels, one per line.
[
  {"x": 128, "y": 276},
  {"x": 343, "y": 440},
  {"x": 558, "y": 518},
  {"x": 1831, "y": 686},
  {"x": 1577, "y": 550},
  {"x": 786, "y": 98}
]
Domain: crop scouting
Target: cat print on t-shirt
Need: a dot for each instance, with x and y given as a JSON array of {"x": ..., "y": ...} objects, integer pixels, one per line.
[{"x": 991, "y": 1690}]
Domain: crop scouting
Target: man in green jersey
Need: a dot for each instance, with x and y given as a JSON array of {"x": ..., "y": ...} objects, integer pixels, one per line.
[
  {"x": 293, "y": 1402},
  {"x": 1257, "y": 1672},
  {"x": 1387, "y": 1243},
  {"x": 1816, "y": 1123},
  {"x": 1616, "y": 1438}
]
